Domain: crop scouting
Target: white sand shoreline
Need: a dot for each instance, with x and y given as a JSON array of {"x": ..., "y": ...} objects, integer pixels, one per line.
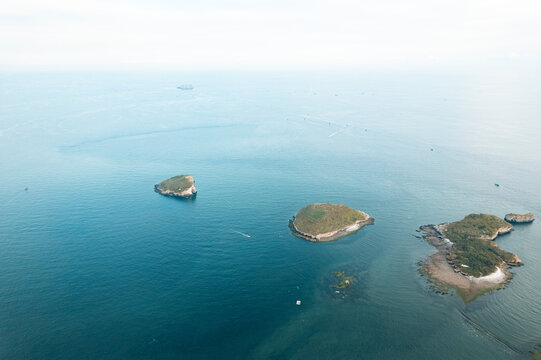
[
  {"x": 353, "y": 227},
  {"x": 496, "y": 277}
]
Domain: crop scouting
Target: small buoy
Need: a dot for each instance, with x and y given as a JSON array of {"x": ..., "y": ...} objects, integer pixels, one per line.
[
  {"x": 298, "y": 303},
  {"x": 431, "y": 149},
  {"x": 26, "y": 189}
]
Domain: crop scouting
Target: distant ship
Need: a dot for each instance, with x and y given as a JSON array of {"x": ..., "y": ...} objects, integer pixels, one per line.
[{"x": 185, "y": 87}]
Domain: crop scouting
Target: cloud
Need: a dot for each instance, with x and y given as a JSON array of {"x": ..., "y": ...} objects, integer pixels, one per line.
[{"x": 278, "y": 34}]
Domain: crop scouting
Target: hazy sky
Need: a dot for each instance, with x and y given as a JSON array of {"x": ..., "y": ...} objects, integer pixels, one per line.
[{"x": 242, "y": 34}]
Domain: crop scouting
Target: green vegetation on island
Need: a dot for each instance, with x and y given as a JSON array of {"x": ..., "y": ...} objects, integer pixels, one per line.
[
  {"x": 467, "y": 258},
  {"x": 177, "y": 186},
  {"x": 474, "y": 252},
  {"x": 324, "y": 222},
  {"x": 343, "y": 280}
]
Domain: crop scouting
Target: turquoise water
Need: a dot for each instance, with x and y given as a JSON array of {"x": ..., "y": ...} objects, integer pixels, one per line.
[{"x": 96, "y": 265}]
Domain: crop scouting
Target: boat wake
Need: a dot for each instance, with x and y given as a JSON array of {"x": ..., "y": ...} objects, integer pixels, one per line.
[
  {"x": 337, "y": 132},
  {"x": 146, "y": 133},
  {"x": 241, "y": 233},
  {"x": 489, "y": 334}
]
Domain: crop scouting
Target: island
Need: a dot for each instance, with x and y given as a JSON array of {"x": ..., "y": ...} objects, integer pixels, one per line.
[
  {"x": 181, "y": 186},
  {"x": 327, "y": 222},
  {"x": 343, "y": 280},
  {"x": 519, "y": 218},
  {"x": 467, "y": 259},
  {"x": 185, "y": 87}
]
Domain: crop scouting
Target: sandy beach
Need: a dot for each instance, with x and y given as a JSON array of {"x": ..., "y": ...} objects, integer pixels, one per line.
[
  {"x": 442, "y": 273},
  {"x": 497, "y": 277}
]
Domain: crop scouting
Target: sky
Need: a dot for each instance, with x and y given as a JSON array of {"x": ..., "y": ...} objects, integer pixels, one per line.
[{"x": 277, "y": 34}]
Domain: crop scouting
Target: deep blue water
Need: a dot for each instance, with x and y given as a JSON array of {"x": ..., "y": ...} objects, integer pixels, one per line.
[{"x": 94, "y": 264}]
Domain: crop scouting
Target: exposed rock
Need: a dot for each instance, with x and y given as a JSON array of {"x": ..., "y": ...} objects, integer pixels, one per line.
[
  {"x": 515, "y": 262},
  {"x": 181, "y": 186},
  {"x": 185, "y": 87},
  {"x": 520, "y": 218},
  {"x": 449, "y": 268},
  {"x": 332, "y": 235},
  {"x": 500, "y": 231},
  {"x": 327, "y": 222}
]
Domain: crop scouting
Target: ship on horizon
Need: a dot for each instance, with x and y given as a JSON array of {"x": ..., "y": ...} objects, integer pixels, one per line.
[{"x": 185, "y": 87}]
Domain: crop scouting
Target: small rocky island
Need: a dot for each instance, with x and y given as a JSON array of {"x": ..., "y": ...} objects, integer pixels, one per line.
[
  {"x": 520, "y": 218},
  {"x": 467, "y": 258},
  {"x": 181, "y": 186},
  {"x": 327, "y": 222},
  {"x": 343, "y": 280},
  {"x": 185, "y": 87}
]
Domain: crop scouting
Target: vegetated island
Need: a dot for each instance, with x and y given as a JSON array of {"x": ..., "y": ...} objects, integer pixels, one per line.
[
  {"x": 519, "y": 218},
  {"x": 343, "y": 282},
  {"x": 327, "y": 222},
  {"x": 181, "y": 186},
  {"x": 467, "y": 258}
]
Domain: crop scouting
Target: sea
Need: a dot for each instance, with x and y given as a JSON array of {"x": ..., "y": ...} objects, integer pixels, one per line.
[{"x": 95, "y": 265}]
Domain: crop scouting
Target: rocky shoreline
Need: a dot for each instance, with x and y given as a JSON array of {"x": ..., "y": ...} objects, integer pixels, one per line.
[
  {"x": 442, "y": 271},
  {"x": 188, "y": 192},
  {"x": 519, "y": 218},
  {"x": 333, "y": 235}
]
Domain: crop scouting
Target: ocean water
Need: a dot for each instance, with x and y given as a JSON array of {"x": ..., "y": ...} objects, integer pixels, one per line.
[{"x": 95, "y": 265}]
